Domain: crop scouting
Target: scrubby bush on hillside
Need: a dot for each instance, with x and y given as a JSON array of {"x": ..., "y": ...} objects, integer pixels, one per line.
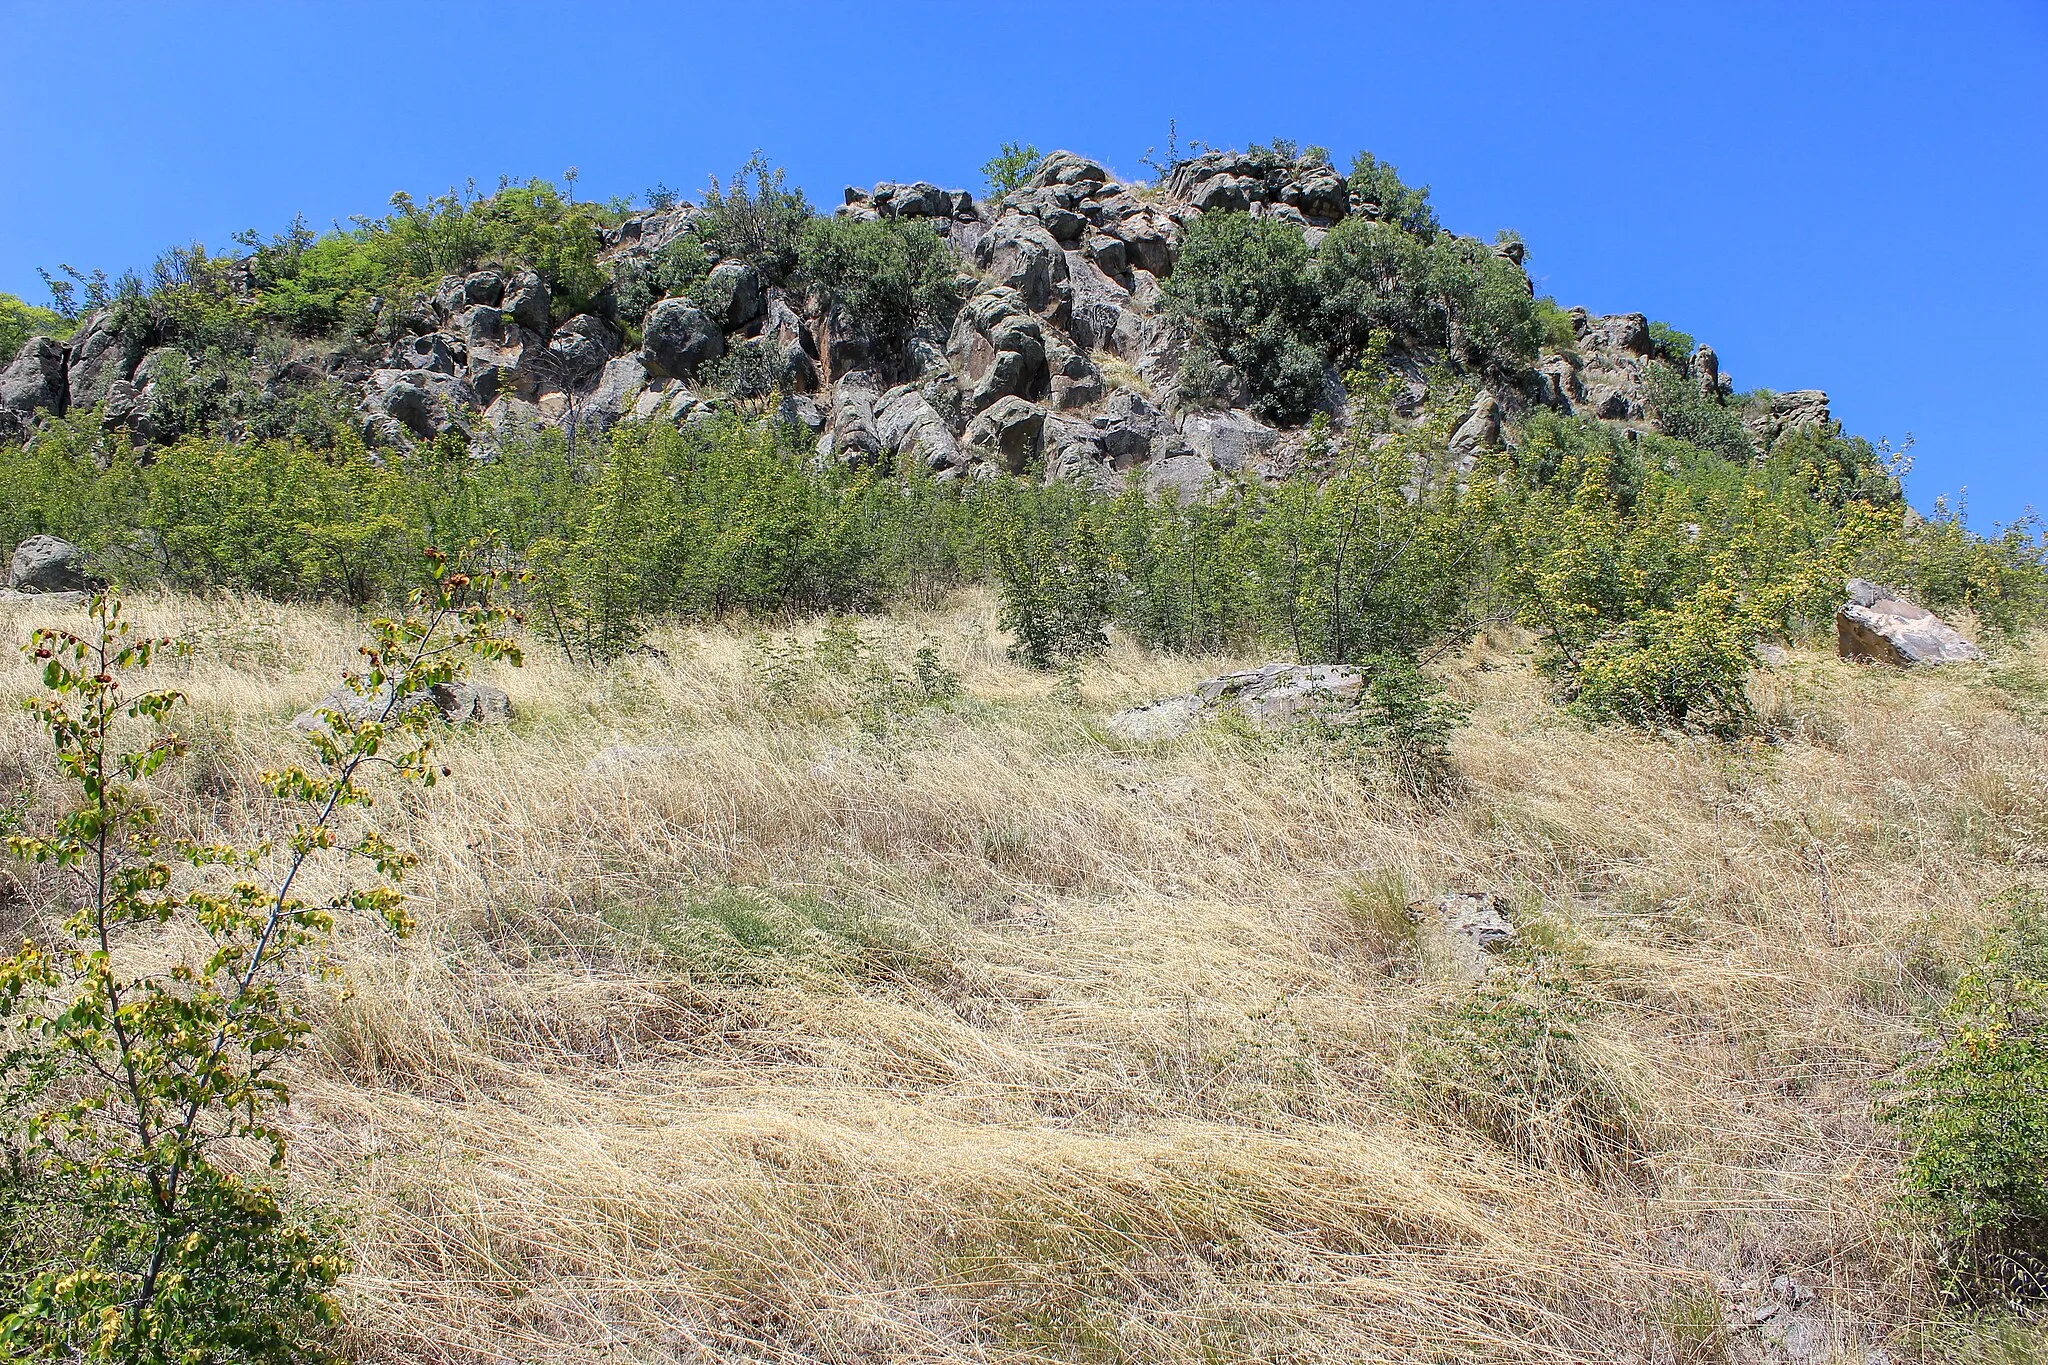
[
  {"x": 1973, "y": 1112},
  {"x": 1010, "y": 167},
  {"x": 1392, "y": 200},
  {"x": 891, "y": 276}
]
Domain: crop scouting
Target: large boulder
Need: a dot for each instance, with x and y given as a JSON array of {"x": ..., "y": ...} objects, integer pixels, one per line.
[
  {"x": 1228, "y": 441},
  {"x": 1268, "y": 697},
  {"x": 997, "y": 349},
  {"x": 528, "y": 300},
  {"x": 44, "y": 564},
  {"x": 98, "y": 356},
  {"x": 731, "y": 294},
  {"x": 1020, "y": 253},
  {"x": 1879, "y": 626},
  {"x": 456, "y": 703},
  {"x": 909, "y": 425},
  {"x": 34, "y": 380},
  {"x": 1011, "y": 432},
  {"x": 1478, "y": 430},
  {"x": 677, "y": 337},
  {"x": 581, "y": 346}
]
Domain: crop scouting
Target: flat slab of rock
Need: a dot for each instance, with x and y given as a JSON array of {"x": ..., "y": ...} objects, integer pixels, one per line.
[
  {"x": 1877, "y": 625},
  {"x": 1474, "y": 925},
  {"x": 1270, "y": 696},
  {"x": 456, "y": 703}
]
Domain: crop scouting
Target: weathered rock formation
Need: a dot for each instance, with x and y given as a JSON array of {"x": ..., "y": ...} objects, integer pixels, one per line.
[{"x": 1879, "y": 626}]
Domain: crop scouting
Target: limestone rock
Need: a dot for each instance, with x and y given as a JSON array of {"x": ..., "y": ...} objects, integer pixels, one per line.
[
  {"x": 1269, "y": 696},
  {"x": 1877, "y": 625}
]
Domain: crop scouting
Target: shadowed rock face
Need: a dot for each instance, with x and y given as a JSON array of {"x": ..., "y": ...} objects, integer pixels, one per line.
[{"x": 1881, "y": 627}]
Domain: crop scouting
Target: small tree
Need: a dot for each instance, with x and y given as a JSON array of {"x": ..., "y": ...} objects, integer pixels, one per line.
[
  {"x": 1009, "y": 168},
  {"x": 129, "y": 1083}
]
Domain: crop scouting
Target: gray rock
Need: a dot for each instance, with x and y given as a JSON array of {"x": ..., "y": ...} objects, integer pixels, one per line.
[
  {"x": 910, "y": 427},
  {"x": 732, "y": 294},
  {"x": 34, "y": 381},
  {"x": 1271, "y": 696},
  {"x": 435, "y": 352},
  {"x": 677, "y": 337},
  {"x": 582, "y": 345},
  {"x": 485, "y": 286},
  {"x": 1879, "y": 626},
  {"x": 1020, "y": 254},
  {"x": 997, "y": 349},
  {"x": 1479, "y": 429},
  {"x": 45, "y": 564},
  {"x": 456, "y": 703},
  {"x": 1229, "y": 441},
  {"x": 528, "y": 300},
  {"x": 1477, "y": 921},
  {"x": 853, "y": 438},
  {"x": 97, "y": 357},
  {"x": 1067, "y": 169},
  {"x": 1011, "y": 432}
]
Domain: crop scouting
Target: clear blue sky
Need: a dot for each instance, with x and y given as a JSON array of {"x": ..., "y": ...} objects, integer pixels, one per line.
[{"x": 1846, "y": 196}]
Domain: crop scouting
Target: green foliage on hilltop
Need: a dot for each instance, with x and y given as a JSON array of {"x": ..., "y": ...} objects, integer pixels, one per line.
[
  {"x": 1281, "y": 315},
  {"x": 19, "y": 321}
]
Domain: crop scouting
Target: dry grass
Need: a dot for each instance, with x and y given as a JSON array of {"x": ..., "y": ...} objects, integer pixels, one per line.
[{"x": 1016, "y": 1044}]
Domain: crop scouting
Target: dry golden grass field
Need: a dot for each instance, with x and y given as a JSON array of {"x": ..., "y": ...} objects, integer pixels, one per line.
[{"x": 750, "y": 1019}]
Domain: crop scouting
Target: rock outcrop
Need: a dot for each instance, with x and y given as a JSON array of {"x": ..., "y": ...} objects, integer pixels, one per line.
[
  {"x": 1270, "y": 696},
  {"x": 1879, "y": 626},
  {"x": 1062, "y": 357}
]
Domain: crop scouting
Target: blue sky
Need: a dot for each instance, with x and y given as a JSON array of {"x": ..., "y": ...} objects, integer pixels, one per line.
[{"x": 1842, "y": 196}]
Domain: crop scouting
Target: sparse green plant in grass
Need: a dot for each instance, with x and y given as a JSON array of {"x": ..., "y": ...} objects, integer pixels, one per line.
[
  {"x": 141, "y": 1040},
  {"x": 1521, "y": 1063}
]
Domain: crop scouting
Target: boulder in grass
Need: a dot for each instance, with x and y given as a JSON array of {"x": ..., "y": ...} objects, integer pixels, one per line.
[
  {"x": 457, "y": 703},
  {"x": 45, "y": 564},
  {"x": 1877, "y": 625},
  {"x": 1269, "y": 697}
]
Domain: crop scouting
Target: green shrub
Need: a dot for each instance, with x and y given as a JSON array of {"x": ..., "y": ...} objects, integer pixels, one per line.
[
  {"x": 1404, "y": 206},
  {"x": 757, "y": 219},
  {"x": 1053, "y": 578},
  {"x": 1674, "y": 346},
  {"x": 1682, "y": 411},
  {"x": 1010, "y": 167},
  {"x": 1246, "y": 286},
  {"x": 1688, "y": 668},
  {"x": 891, "y": 276},
  {"x": 19, "y": 321},
  {"x": 1973, "y": 1114}
]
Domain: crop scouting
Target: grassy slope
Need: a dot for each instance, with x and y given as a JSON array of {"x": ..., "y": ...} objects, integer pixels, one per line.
[{"x": 1059, "y": 1051}]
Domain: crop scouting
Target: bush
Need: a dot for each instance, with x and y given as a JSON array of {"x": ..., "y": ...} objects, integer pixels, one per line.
[
  {"x": 1247, "y": 287},
  {"x": 1688, "y": 667},
  {"x": 19, "y": 321},
  {"x": 125, "y": 1081},
  {"x": 1686, "y": 414},
  {"x": 761, "y": 223},
  {"x": 1054, "y": 582},
  {"x": 1010, "y": 167},
  {"x": 891, "y": 276},
  {"x": 1405, "y": 207},
  {"x": 1973, "y": 1113}
]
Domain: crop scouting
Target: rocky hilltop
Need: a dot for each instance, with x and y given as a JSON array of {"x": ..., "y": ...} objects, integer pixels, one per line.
[{"x": 1061, "y": 350}]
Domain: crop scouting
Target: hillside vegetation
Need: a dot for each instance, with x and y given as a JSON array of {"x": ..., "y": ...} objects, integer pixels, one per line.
[{"x": 816, "y": 966}]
